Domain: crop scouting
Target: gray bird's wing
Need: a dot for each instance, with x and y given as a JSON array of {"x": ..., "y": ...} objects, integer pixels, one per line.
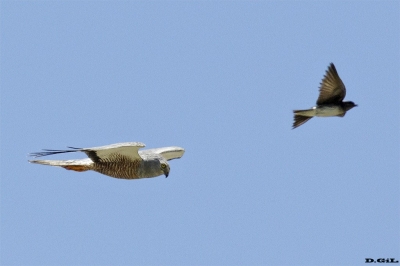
[
  {"x": 168, "y": 153},
  {"x": 127, "y": 149},
  {"x": 332, "y": 89}
]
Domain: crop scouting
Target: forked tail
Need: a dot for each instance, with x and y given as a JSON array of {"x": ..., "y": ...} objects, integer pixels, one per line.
[{"x": 299, "y": 119}]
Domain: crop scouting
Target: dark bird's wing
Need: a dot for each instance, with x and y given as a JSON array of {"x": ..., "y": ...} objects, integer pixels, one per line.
[
  {"x": 127, "y": 149},
  {"x": 332, "y": 89}
]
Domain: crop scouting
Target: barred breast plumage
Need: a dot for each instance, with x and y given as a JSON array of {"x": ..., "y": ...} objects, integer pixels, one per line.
[{"x": 118, "y": 166}]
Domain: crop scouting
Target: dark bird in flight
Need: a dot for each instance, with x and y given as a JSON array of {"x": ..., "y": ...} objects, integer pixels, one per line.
[{"x": 330, "y": 101}]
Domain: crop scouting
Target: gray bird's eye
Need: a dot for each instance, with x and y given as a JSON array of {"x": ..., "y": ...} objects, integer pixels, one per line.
[{"x": 163, "y": 165}]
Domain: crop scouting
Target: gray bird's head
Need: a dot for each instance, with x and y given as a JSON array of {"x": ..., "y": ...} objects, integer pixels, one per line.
[
  {"x": 348, "y": 105},
  {"x": 164, "y": 167}
]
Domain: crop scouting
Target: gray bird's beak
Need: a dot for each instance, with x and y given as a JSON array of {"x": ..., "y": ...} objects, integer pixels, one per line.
[{"x": 166, "y": 172}]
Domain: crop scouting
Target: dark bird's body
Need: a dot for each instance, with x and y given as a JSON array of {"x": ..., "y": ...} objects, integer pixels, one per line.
[{"x": 330, "y": 101}]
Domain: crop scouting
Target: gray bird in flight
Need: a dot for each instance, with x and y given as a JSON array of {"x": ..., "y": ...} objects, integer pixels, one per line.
[
  {"x": 330, "y": 101},
  {"x": 120, "y": 160}
]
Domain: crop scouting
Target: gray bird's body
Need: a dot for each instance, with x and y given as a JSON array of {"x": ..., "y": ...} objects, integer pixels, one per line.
[
  {"x": 330, "y": 100},
  {"x": 121, "y": 160}
]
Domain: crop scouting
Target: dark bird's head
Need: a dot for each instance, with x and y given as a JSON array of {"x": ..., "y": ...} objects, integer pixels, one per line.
[
  {"x": 165, "y": 168},
  {"x": 348, "y": 105}
]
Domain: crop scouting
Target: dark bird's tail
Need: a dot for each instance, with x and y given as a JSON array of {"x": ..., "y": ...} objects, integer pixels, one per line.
[{"x": 299, "y": 119}]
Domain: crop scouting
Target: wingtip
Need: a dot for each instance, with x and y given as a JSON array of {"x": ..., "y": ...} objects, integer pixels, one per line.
[{"x": 331, "y": 66}]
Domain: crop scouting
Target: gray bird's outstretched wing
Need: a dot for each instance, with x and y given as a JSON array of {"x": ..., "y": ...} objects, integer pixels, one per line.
[
  {"x": 127, "y": 149},
  {"x": 168, "y": 153}
]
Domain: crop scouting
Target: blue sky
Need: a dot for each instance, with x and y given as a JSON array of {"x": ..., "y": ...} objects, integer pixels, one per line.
[{"x": 221, "y": 80}]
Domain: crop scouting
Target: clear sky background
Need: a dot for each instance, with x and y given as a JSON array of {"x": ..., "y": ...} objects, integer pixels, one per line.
[{"x": 219, "y": 79}]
